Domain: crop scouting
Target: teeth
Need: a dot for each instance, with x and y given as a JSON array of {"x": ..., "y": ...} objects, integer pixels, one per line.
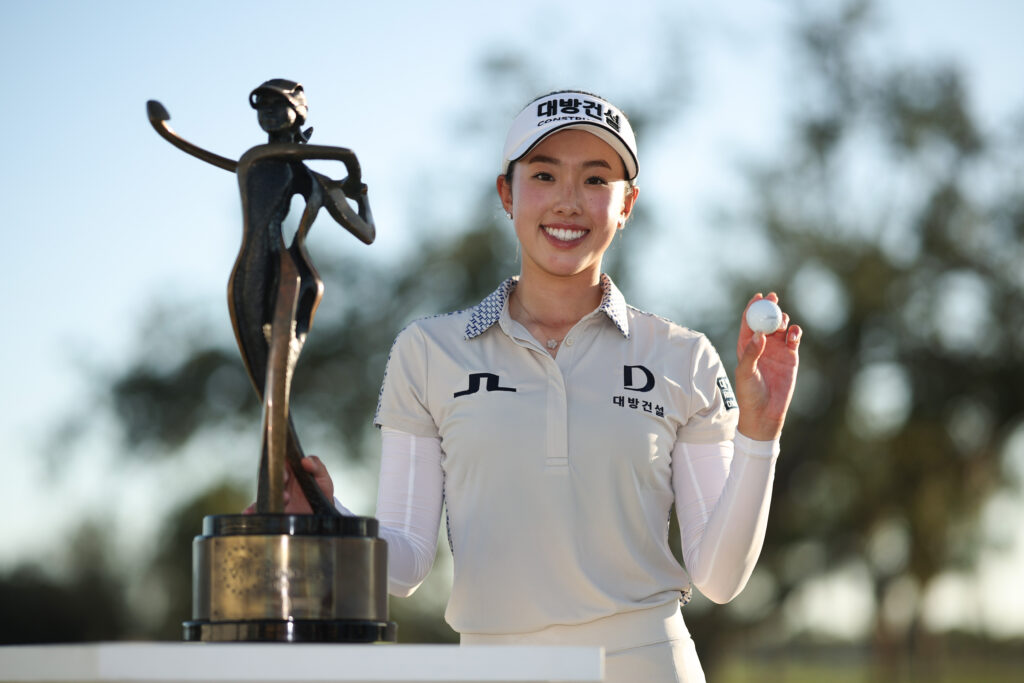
[{"x": 565, "y": 235}]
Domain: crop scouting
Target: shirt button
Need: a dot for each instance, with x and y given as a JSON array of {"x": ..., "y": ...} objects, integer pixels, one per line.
[{"x": 568, "y": 342}]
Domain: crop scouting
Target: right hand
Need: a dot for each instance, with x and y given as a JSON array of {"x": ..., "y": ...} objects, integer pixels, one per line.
[
  {"x": 295, "y": 502},
  {"x": 766, "y": 375}
]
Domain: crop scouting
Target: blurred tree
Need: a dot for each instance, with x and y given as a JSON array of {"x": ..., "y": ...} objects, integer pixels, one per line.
[
  {"x": 893, "y": 228},
  {"x": 82, "y": 602}
]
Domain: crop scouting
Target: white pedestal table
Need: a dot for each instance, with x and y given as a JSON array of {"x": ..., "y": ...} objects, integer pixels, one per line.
[{"x": 294, "y": 663}]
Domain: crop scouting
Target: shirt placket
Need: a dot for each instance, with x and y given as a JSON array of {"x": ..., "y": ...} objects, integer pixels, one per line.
[
  {"x": 556, "y": 412},
  {"x": 557, "y": 369},
  {"x": 557, "y": 417}
]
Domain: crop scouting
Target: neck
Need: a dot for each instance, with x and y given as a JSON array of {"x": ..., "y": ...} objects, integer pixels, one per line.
[{"x": 555, "y": 304}]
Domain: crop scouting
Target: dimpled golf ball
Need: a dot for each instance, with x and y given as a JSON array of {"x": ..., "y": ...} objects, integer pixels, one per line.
[{"x": 764, "y": 315}]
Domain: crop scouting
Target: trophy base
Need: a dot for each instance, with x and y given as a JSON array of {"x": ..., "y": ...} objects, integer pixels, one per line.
[
  {"x": 278, "y": 631},
  {"x": 289, "y": 579}
]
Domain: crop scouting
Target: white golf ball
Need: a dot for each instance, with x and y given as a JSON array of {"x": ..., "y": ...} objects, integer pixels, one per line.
[{"x": 764, "y": 315}]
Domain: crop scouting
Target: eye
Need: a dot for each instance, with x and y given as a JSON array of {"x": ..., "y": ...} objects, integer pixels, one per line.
[
  {"x": 596, "y": 180},
  {"x": 543, "y": 175}
]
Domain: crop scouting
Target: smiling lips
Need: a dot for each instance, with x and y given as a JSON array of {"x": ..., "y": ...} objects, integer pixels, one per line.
[{"x": 563, "y": 234}]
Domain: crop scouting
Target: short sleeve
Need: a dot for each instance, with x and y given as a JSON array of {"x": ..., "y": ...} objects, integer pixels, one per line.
[
  {"x": 713, "y": 411},
  {"x": 403, "y": 403}
]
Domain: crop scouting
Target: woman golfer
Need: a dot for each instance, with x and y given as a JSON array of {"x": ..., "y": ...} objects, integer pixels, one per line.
[{"x": 558, "y": 425}]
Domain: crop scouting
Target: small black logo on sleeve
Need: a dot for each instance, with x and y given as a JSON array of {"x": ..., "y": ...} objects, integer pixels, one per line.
[
  {"x": 728, "y": 398},
  {"x": 474, "y": 384},
  {"x": 628, "y": 377}
]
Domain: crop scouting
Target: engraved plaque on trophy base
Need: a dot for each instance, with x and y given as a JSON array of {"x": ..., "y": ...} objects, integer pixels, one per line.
[{"x": 289, "y": 578}]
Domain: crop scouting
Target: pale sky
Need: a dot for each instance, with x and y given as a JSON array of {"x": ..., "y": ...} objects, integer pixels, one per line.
[{"x": 103, "y": 217}]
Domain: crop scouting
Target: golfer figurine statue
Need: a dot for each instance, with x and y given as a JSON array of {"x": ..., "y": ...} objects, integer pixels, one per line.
[{"x": 273, "y": 294}]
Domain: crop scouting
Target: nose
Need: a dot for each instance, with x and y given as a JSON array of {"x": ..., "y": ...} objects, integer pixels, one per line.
[{"x": 568, "y": 202}]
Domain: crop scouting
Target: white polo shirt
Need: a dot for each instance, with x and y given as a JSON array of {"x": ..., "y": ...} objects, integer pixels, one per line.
[{"x": 557, "y": 471}]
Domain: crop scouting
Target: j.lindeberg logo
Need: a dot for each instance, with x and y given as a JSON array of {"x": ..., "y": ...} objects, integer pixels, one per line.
[
  {"x": 628, "y": 378},
  {"x": 474, "y": 384}
]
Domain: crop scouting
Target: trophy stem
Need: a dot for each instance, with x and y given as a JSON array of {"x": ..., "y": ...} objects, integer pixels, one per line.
[{"x": 284, "y": 352}]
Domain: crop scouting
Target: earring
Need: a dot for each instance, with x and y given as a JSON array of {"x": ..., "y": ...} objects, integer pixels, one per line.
[{"x": 508, "y": 215}]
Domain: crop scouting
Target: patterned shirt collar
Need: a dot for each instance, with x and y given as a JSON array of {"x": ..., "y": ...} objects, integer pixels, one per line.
[{"x": 488, "y": 311}]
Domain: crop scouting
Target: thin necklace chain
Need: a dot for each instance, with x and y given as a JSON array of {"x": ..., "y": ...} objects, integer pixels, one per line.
[{"x": 551, "y": 343}]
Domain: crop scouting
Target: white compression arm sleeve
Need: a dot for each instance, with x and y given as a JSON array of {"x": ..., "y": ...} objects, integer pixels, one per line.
[
  {"x": 722, "y": 493},
  {"x": 409, "y": 497}
]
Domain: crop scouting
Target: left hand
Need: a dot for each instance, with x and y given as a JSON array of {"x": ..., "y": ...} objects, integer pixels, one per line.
[
  {"x": 766, "y": 375},
  {"x": 295, "y": 502}
]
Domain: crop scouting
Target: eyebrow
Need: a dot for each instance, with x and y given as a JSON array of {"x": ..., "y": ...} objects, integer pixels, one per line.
[{"x": 543, "y": 159}]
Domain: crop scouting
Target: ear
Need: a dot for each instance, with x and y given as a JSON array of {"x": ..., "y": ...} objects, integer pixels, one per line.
[
  {"x": 504, "y": 192},
  {"x": 627, "y": 205}
]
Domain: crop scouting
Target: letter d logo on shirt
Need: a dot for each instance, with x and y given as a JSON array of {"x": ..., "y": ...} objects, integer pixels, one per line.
[{"x": 628, "y": 378}]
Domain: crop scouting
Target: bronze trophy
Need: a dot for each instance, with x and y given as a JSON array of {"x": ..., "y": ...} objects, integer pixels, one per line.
[{"x": 271, "y": 576}]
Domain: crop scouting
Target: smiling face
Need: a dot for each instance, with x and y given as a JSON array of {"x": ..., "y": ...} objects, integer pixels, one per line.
[{"x": 568, "y": 197}]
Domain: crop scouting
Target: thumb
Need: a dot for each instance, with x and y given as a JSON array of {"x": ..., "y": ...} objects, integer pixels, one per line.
[{"x": 751, "y": 353}]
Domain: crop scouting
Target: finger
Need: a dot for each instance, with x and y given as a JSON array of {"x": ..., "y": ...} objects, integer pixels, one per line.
[
  {"x": 793, "y": 336},
  {"x": 751, "y": 353},
  {"x": 313, "y": 465}
]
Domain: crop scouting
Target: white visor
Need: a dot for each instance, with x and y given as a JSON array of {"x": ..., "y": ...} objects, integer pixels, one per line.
[{"x": 567, "y": 110}]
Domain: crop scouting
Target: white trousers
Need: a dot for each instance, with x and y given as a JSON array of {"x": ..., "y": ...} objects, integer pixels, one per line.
[{"x": 645, "y": 645}]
